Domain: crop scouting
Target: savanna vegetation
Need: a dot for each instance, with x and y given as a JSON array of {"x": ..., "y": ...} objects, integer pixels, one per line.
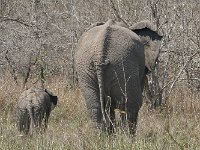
[{"x": 37, "y": 44}]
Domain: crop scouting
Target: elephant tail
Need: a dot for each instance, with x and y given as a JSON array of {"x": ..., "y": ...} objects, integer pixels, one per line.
[
  {"x": 100, "y": 78},
  {"x": 32, "y": 118}
]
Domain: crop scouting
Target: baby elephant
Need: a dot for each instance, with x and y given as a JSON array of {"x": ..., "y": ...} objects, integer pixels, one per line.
[{"x": 33, "y": 109}]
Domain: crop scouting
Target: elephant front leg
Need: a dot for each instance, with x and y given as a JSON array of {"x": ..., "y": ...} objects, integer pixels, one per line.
[
  {"x": 133, "y": 106},
  {"x": 95, "y": 114}
]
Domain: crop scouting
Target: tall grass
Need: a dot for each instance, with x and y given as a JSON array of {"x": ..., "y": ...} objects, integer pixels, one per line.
[{"x": 175, "y": 127}]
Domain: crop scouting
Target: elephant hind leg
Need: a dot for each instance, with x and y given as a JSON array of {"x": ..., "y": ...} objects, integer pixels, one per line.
[
  {"x": 132, "y": 122},
  {"x": 23, "y": 122},
  {"x": 128, "y": 104},
  {"x": 93, "y": 105}
]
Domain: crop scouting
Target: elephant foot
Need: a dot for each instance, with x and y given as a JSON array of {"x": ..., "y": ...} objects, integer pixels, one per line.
[
  {"x": 103, "y": 127},
  {"x": 99, "y": 124}
]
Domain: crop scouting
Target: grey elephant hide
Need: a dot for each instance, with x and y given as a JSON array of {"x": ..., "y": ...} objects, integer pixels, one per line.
[{"x": 110, "y": 62}]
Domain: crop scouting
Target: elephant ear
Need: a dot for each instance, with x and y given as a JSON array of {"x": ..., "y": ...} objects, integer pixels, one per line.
[
  {"x": 151, "y": 40},
  {"x": 53, "y": 98}
]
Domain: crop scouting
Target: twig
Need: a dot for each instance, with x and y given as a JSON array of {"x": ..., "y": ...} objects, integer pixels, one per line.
[
  {"x": 116, "y": 13},
  {"x": 18, "y": 20},
  {"x": 172, "y": 138},
  {"x": 181, "y": 70},
  {"x": 12, "y": 70}
]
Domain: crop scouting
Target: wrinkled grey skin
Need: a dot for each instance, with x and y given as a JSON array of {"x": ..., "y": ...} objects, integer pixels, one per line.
[
  {"x": 33, "y": 109},
  {"x": 113, "y": 60}
]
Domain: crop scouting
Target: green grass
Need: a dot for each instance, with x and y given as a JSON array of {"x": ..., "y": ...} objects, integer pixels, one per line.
[{"x": 70, "y": 129}]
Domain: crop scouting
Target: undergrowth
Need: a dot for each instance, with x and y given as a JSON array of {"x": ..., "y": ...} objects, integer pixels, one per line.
[{"x": 176, "y": 126}]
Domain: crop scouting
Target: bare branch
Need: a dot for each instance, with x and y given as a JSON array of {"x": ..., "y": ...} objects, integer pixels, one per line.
[
  {"x": 18, "y": 20},
  {"x": 12, "y": 70},
  {"x": 181, "y": 70},
  {"x": 116, "y": 13}
]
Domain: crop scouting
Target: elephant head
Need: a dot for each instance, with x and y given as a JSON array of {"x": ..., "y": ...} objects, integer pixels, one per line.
[
  {"x": 53, "y": 98},
  {"x": 151, "y": 40}
]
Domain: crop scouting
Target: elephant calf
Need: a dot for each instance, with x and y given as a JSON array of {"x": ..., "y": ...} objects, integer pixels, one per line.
[{"x": 33, "y": 109}]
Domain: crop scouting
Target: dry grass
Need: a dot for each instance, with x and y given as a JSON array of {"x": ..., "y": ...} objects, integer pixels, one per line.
[{"x": 175, "y": 127}]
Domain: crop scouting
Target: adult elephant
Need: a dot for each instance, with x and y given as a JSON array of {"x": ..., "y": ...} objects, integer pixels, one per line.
[{"x": 112, "y": 60}]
